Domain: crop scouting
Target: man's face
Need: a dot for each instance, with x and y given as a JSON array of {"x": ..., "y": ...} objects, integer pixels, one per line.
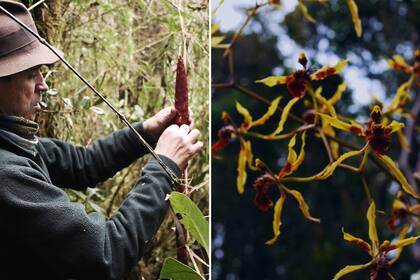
[{"x": 20, "y": 93}]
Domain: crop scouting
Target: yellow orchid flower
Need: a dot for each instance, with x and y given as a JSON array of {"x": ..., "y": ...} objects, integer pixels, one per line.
[
  {"x": 397, "y": 62},
  {"x": 379, "y": 265},
  {"x": 245, "y": 157},
  {"x": 377, "y": 135},
  {"x": 298, "y": 82},
  {"x": 264, "y": 183},
  {"x": 402, "y": 213}
]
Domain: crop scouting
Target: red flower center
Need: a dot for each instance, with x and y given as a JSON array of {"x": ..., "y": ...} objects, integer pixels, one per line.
[
  {"x": 262, "y": 185},
  {"x": 378, "y": 137},
  {"x": 298, "y": 83}
]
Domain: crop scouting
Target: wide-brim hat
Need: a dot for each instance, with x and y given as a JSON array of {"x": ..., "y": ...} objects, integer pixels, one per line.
[{"x": 19, "y": 49}]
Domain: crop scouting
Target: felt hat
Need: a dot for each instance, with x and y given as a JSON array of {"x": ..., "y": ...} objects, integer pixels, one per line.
[{"x": 19, "y": 49}]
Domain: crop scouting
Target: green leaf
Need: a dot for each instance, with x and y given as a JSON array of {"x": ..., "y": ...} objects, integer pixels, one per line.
[
  {"x": 192, "y": 218},
  {"x": 175, "y": 270},
  {"x": 85, "y": 103}
]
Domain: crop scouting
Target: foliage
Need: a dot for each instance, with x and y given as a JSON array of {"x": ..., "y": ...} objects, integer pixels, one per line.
[
  {"x": 314, "y": 114},
  {"x": 128, "y": 50},
  {"x": 172, "y": 269}
]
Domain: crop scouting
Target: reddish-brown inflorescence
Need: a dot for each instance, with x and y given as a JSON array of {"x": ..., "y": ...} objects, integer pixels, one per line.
[
  {"x": 298, "y": 83},
  {"x": 378, "y": 135},
  {"x": 262, "y": 185},
  {"x": 181, "y": 94},
  {"x": 379, "y": 269}
]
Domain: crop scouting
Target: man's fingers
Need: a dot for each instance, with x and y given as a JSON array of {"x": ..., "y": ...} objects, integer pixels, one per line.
[
  {"x": 184, "y": 129},
  {"x": 173, "y": 127},
  {"x": 167, "y": 114},
  {"x": 193, "y": 135},
  {"x": 197, "y": 147}
]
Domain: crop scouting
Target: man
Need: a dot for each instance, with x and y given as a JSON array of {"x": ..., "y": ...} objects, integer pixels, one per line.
[{"x": 42, "y": 234}]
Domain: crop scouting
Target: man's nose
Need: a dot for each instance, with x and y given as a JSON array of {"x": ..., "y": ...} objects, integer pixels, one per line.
[{"x": 41, "y": 85}]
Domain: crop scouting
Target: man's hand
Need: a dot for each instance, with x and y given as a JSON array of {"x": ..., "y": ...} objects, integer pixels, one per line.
[
  {"x": 179, "y": 143},
  {"x": 155, "y": 125}
]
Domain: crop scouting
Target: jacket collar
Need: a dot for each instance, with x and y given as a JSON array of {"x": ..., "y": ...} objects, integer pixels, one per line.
[{"x": 18, "y": 135}]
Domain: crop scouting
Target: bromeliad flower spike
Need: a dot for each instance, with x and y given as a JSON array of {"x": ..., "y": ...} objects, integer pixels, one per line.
[
  {"x": 380, "y": 265},
  {"x": 298, "y": 83}
]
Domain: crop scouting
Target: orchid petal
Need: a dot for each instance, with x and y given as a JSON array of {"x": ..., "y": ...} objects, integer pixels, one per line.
[
  {"x": 350, "y": 268},
  {"x": 216, "y": 40},
  {"x": 242, "y": 161},
  {"x": 403, "y": 140},
  {"x": 355, "y": 17},
  {"x": 396, "y": 126},
  {"x": 398, "y": 63},
  {"x": 271, "y": 110},
  {"x": 219, "y": 145},
  {"x": 277, "y": 218},
  {"x": 329, "y": 170},
  {"x": 400, "y": 60},
  {"x": 398, "y": 175},
  {"x": 404, "y": 242},
  {"x": 402, "y": 236},
  {"x": 244, "y": 112},
  {"x": 338, "y": 93},
  {"x": 304, "y": 208},
  {"x": 353, "y": 127},
  {"x": 373, "y": 235},
  {"x": 355, "y": 240},
  {"x": 328, "y": 71},
  {"x": 401, "y": 96},
  {"x": 273, "y": 80},
  {"x": 305, "y": 12},
  {"x": 249, "y": 155},
  {"x": 214, "y": 27},
  {"x": 327, "y": 104},
  {"x": 293, "y": 160},
  {"x": 284, "y": 115},
  {"x": 301, "y": 156}
]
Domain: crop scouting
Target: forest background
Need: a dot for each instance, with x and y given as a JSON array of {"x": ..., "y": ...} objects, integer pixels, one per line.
[
  {"x": 128, "y": 49},
  {"x": 270, "y": 45}
]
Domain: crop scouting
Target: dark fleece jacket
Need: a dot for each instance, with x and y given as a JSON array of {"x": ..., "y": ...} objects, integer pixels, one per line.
[{"x": 45, "y": 236}]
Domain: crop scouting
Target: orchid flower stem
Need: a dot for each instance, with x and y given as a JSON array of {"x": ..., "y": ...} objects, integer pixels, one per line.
[
  {"x": 299, "y": 179},
  {"x": 366, "y": 187},
  {"x": 362, "y": 165},
  {"x": 252, "y": 12},
  {"x": 349, "y": 167},
  {"x": 268, "y": 137},
  {"x": 314, "y": 101},
  {"x": 326, "y": 144},
  {"x": 174, "y": 179}
]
